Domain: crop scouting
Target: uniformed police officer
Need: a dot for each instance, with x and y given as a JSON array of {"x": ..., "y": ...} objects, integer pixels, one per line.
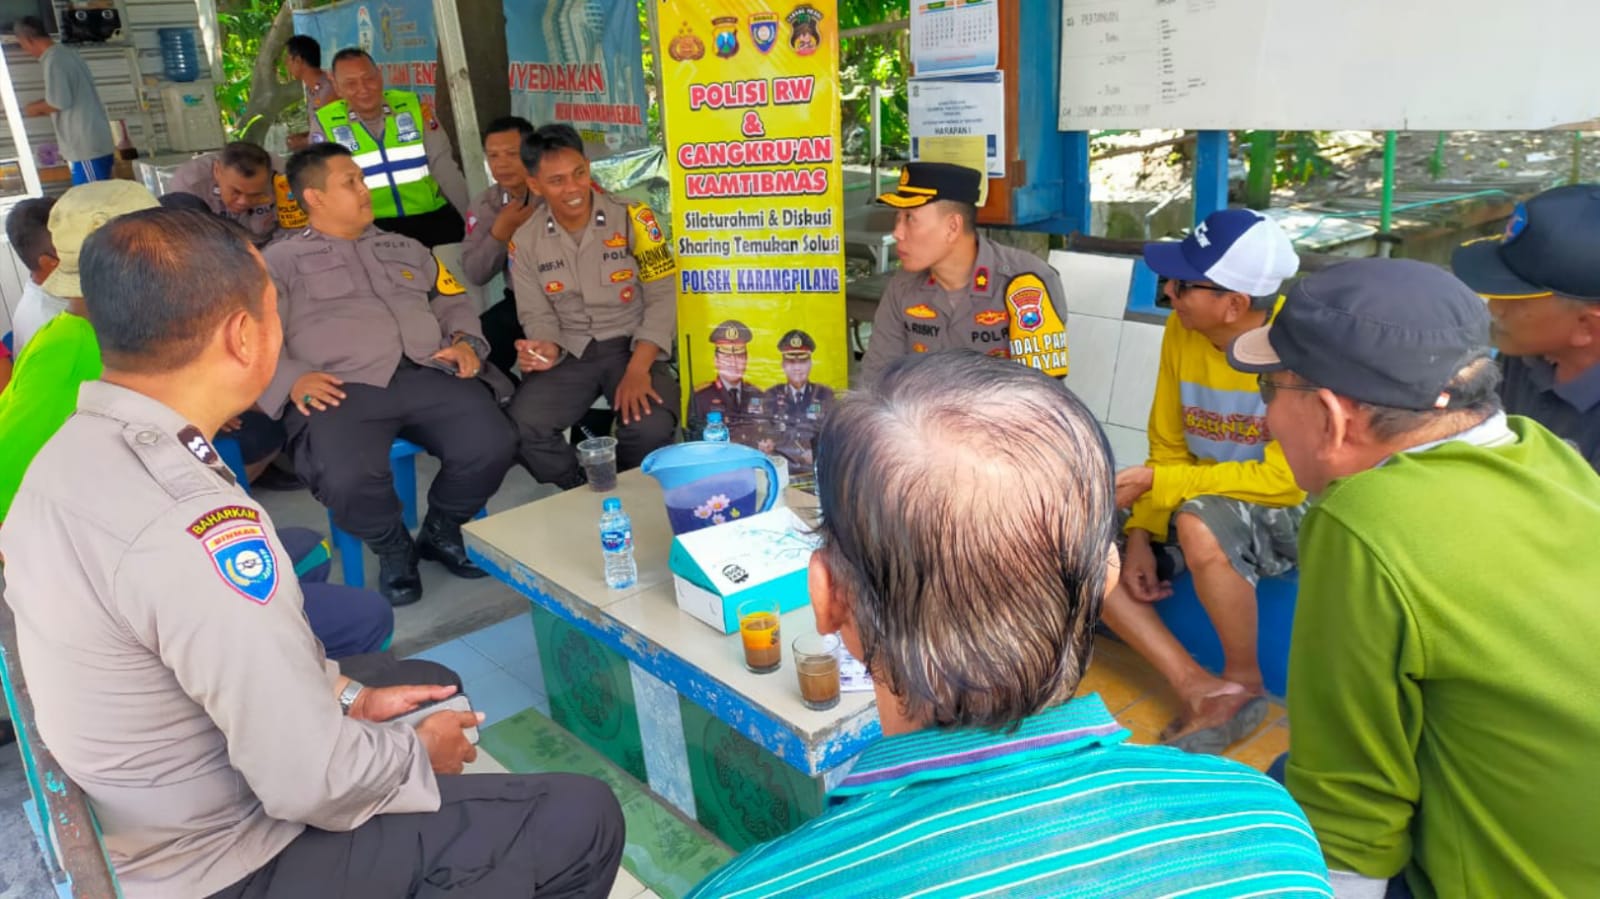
[
  {"x": 593, "y": 281},
  {"x": 240, "y": 182},
  {"x": 380, "y": 342},
  {"x": 797, "y": 405},
  {"x": 956, "y": 289},
  {"x": 496, "y": 215},
  {"x": 417, "y": 187},
  {"x": 174, "y": 675},
  {"x": 743, "y": 405}
]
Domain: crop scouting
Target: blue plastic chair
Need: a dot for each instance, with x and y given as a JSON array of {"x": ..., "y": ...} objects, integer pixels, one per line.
[
  {"x": 233, "y": 457},
  {"x": 403, "y": 463},
  {"x": 7, "y": 341},
  {"x": 1275, "y": 602}
]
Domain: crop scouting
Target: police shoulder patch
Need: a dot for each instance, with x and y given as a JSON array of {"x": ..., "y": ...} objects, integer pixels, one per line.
[
  {"x": 235, "y": 538},
  {"x": 446, "y": 284},
  {"x": 650, "y": 247}
]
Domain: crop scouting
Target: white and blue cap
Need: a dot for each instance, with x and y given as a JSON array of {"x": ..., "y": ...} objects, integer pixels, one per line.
[{"x": 1238, "y": 249}]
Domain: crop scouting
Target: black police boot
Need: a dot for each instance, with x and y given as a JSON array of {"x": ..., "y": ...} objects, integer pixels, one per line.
[
  {"x": 440, "y": 541},
  {"x": 398, "y": 579}
]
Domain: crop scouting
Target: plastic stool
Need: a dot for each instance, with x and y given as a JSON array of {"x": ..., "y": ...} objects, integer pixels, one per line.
[
  {"x": 403, "y": 464},
  {"x": 1275, "y": 600},
  {"x": 233, "y": 457}
]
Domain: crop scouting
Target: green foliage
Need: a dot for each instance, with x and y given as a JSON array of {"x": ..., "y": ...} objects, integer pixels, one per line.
[
  {"x": 1300, "y": 157},
  {"x": 243, "y": 24},
  {"x": 876, "y": 59}
]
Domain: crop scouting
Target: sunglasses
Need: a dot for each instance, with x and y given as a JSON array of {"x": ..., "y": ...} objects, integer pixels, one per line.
[
  {"x": 1180, "y": 286},
  {"x": 1269, "y": 388}
]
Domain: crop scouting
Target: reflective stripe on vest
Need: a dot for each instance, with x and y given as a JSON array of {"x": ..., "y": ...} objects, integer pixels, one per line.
[{"x": 395, "y": 172}]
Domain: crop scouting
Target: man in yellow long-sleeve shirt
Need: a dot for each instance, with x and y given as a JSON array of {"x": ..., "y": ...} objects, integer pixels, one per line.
[{"x": 1216, "y": 495}]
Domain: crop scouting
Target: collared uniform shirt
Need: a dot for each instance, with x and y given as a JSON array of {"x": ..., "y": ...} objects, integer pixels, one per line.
[
  {"x": 916, "y": 315},
  {"x": 483, "y": 257},
  {"x": 197, "y": 177},
  {"x": 173, "y": 672},
  {"x": 441, "y": 158},
  {"x": 1570, "y": 410},
  {"x": 1060, "y": 807},
  {"x": 800, "y": 409},
  {"x": 612, "y": 279},
  {"x": 354, "y": 308},
  {"x": 319, "y": 95}
]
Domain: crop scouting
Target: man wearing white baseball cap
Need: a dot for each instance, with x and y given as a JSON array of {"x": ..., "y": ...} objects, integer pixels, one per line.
[{"x": 1216, "y": 496}]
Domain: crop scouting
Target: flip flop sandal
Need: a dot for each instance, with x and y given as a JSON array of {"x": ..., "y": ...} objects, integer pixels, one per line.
[{"x": 1213, "y": 740}]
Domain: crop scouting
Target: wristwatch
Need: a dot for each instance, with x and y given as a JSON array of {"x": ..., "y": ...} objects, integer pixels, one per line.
[{"x": 347, "y": 696}]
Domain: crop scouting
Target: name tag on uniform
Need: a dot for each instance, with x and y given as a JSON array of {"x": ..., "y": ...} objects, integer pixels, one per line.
[
  {"x": 405, "y": 127},
  {"x": 344, "y": 134}
]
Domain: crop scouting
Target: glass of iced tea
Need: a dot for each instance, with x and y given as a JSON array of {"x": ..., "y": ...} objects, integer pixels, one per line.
[
  {"x": 816, "y": 663},
  {"x": 758, "y": 630}
]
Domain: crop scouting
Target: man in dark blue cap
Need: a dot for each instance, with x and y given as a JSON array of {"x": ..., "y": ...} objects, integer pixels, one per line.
[
  {"x": 1444, "y": 729},
  {"x": 957, "y": 289},
  {"x": 1542, "y": 280}
]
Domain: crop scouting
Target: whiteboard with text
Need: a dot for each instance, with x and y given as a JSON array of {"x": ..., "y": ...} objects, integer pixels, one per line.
[{"x": 1292, "y": 65}]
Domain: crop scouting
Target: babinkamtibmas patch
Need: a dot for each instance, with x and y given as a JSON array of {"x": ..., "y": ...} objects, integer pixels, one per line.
[
  {"x": 236, "y": 540},
  {"x": 1038, "y": 336},
  {"x": 650, "y": 247},
  {"x": 446, "y": 284},
  {"x": 290, "y": 216}
]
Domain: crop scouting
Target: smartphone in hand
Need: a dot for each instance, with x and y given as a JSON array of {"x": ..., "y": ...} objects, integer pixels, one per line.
[{"x": 456, "y": 703}]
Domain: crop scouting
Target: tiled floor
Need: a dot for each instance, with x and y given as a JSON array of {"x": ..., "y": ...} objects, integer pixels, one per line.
[{"x": 666, "y": 855}]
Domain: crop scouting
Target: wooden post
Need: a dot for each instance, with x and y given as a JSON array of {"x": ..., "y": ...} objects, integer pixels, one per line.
[{"x": 474, "y": 86}]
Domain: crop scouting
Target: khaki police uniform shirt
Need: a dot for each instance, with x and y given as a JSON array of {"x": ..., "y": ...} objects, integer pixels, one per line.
[
  {"x": 175, "y": 678},
  {"x": 441, "y": 158},
  {"x": 197, "y": 177},
  {"x": 482, "y": 256},
  {"x": 354, "y": 308},
  {"x": 613, "y": 279},
  {"x": 916, "y": 315}
]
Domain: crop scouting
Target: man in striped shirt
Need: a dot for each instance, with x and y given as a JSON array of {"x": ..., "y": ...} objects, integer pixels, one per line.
[{"x": 967, "y": 525}]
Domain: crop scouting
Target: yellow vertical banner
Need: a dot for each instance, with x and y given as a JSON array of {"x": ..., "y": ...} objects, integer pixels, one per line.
[{"x": 750, "y": 96}]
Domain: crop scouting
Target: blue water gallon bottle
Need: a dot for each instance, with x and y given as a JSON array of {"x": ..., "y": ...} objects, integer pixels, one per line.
[{"x": 180, "y": 54}]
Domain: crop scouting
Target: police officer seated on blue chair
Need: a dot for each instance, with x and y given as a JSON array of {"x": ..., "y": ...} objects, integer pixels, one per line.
[{"x": 380, "y": 342}]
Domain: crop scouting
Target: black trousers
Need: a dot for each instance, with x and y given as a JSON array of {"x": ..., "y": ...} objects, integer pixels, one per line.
[
  {"x": 548, "y": 403},
  {"x": 441, "y": 226},
  {"x": 502, "y": 329},
  {"x": 343, "y": 453},
  {"x": 495, "y": 836}
]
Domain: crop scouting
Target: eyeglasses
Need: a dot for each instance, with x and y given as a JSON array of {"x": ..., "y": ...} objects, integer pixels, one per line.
[
  {"x": 1179, "y": 286},
  {"x": 1269, "y": 388}
]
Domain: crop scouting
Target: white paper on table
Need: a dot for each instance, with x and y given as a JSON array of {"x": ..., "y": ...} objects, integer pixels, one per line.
[
  {"x": 954, "y": 37},
  {"x": 853, "y": 676}
]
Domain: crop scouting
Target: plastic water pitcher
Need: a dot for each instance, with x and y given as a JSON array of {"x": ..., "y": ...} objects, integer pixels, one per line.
[
  {"x": 180, "y": 55},
  {"x": 706, "y": 484}
]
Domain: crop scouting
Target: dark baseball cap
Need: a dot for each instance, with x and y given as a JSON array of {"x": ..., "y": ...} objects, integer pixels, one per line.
[
  {"x": 1392, "y": 332},
  {"x": 1548, "y": 248},
  {"x": 922, "y": 183}
]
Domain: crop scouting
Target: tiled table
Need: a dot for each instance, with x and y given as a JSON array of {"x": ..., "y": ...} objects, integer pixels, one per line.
[{"x": 661, "y": 694}]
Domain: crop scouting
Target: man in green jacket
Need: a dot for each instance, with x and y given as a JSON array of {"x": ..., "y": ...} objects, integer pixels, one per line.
[{"x": 1441, "y": 671}]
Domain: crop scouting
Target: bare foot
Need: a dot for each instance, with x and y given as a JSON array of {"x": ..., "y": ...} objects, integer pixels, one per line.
[{"x": 1211, "y": 709}]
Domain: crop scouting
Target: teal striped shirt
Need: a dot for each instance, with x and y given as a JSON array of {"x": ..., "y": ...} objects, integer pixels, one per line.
[{"x": 1060, "y": 807}]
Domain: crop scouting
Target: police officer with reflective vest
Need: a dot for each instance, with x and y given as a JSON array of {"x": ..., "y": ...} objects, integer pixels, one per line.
[
  {"x": 380, "y": 342},
  {"x": 797, "y": 405},
  {"x": 957, "y": 289},
  {"x": 595, "y": 295},
  {"x": 243, "y": 184},
  {"x": 417, "y": 187}
]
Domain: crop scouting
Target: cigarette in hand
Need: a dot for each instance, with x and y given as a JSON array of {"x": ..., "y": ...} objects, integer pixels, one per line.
[{"x": 538, "y": 357}]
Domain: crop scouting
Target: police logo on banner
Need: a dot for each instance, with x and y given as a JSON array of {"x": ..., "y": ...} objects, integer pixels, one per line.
[
  {"x": 764, "y": 30},
  {"x": 236, "y": 541}
]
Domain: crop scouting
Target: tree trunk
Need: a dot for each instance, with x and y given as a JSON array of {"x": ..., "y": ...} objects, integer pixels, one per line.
[{"x": 268, "y": 96}]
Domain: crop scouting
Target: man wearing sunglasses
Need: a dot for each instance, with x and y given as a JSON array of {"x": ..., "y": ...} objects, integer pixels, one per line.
[
  {"x": 1440, "y": 672},
  {"x": 1216, "y": 496}
]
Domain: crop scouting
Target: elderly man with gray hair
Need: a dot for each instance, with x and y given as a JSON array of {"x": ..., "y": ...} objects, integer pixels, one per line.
[
  {"x": 1441, "y": 671},
  {"x": 967, "y": 522}
]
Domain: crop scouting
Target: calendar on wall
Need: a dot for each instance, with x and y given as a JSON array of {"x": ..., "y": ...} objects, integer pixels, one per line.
[{"x": 954, "y": 37}]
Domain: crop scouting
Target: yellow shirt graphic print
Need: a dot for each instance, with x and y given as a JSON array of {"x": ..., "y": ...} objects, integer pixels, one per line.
[{"x": 1038, "y": 336}]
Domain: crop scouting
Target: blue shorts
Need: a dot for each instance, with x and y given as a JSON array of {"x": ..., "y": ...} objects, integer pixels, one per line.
[{"x": 97, "y": 169}]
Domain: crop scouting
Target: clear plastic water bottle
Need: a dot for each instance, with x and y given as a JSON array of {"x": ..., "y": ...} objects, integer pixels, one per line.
[
  {"x": 616, "y": 544},
  {"x": 716, "y": 431}
]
